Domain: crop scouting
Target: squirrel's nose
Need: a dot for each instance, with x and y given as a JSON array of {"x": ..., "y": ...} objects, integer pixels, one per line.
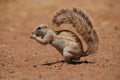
[{"x": 31, "y": 36}]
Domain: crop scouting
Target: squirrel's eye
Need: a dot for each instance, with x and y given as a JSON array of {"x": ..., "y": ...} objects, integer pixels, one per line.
[{"x": 38, "y": 28}]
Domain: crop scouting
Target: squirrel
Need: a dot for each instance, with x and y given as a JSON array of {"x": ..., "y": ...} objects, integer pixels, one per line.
[{"x": 70, "y": 48}]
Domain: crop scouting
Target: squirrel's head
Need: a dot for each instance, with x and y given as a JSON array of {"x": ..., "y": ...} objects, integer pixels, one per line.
[{"x": 40, "y": 30}]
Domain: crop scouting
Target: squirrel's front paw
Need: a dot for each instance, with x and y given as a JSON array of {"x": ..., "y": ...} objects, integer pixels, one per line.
[{"x": 33, "y": 36}]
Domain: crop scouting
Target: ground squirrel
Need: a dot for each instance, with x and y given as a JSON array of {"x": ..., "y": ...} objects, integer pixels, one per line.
[{"x": 70, "y": 48}]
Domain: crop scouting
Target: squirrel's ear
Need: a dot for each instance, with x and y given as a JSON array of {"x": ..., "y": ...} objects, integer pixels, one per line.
[{"x": 45, "y": 26}]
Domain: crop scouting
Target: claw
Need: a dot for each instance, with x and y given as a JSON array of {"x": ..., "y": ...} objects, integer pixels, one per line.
[{"x": 33, "y": 36}]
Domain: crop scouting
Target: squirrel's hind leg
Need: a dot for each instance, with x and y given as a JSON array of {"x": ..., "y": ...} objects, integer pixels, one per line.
[
  {"x": 75, "y": 58},
  {"x": 67, "y": 56}
]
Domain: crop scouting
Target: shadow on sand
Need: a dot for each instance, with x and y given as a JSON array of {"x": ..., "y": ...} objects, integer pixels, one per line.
[{"x": 72, "y": 62}]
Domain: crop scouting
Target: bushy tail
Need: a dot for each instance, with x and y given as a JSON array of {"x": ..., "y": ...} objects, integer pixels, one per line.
[{"x": 82, "y": 24}]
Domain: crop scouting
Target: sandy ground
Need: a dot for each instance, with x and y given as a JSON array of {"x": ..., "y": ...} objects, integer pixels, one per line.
[{"x": 22, "y": 58}]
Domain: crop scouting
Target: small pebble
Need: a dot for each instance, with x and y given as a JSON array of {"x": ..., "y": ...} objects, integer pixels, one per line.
[{"x": 34, "y": 66}]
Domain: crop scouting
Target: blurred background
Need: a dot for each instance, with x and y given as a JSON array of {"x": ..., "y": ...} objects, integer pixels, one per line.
[
  {"x": 19, "y": 15},
  {"x": 21, "y": 58}
]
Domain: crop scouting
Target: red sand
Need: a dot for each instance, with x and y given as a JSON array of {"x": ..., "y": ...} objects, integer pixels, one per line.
[{"x": 22, "y": 58}]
